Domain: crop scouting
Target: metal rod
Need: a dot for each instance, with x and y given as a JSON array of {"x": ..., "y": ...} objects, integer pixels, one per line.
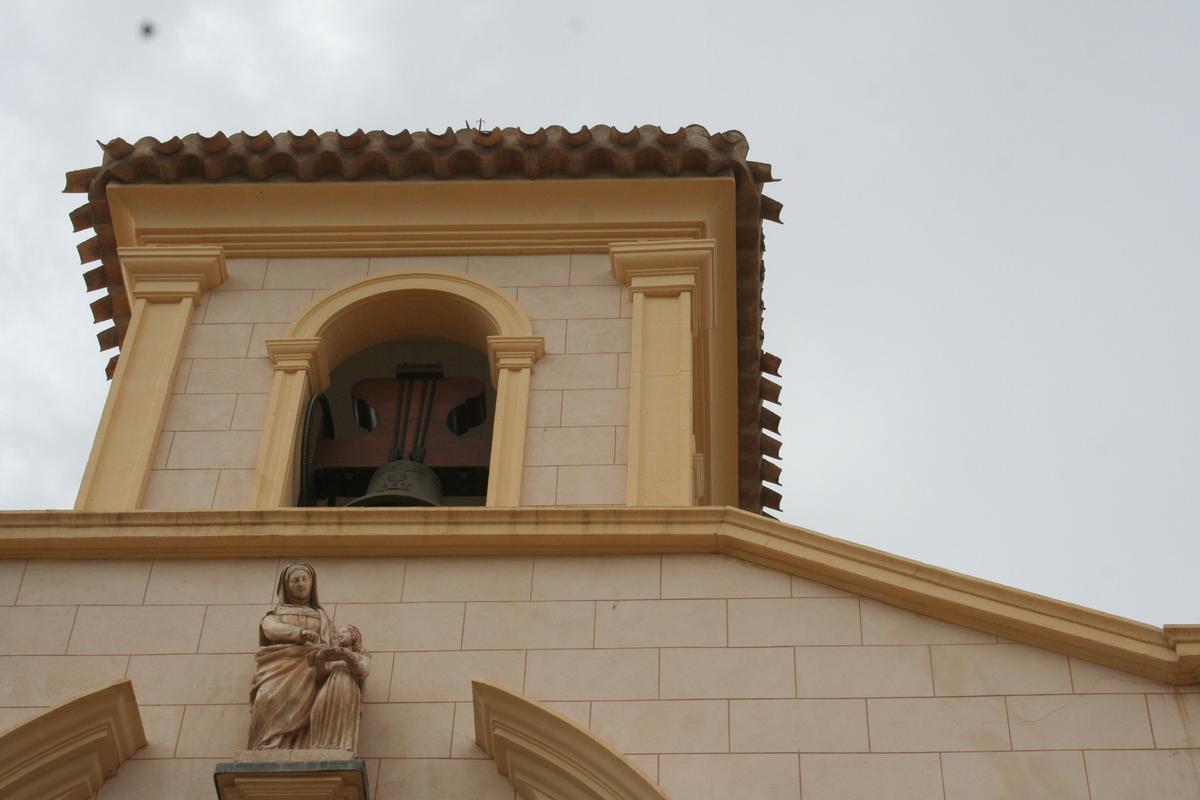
[
  {"x": 425, "y": 418},
  {"x": 400, "y": 427}
]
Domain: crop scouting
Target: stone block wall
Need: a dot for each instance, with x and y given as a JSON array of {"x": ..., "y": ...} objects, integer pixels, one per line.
[
  {"x": 720, "y": 679},
  {"x": 578, "y": 416}
]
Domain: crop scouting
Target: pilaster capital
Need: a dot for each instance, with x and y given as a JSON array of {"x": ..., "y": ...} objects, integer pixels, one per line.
[
  {"x": 169, "y": 274},
  {"x": 667, "y": 267},
  {"x": 301, "y": 355},
  {"x": 513, "y": 352}
]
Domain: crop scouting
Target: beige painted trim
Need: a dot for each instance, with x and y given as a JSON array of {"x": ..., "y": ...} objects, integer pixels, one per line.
[
  {"x": 671, "y": 285},
  {"x": 547, "y": 756},
  {"x": 325, "y": 784},
  {"x": 413, "y": 218},
  {"x": 512, "y": 359},
  {"x": 383, "y": 308},
  {"x": 164, "y": 284},
  {"x": 393, "y": 218},
  {"x": 67, "y": 752},
  {"x": 1171, "y": 656}
]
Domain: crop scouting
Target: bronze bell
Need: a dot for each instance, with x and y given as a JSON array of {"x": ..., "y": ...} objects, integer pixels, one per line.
[
  {"x": 402, "y": 483},
  {"x": 405, "y": 480}
]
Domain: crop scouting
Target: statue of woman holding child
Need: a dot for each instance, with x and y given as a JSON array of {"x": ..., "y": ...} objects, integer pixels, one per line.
[{"x": 307, "y": 690}]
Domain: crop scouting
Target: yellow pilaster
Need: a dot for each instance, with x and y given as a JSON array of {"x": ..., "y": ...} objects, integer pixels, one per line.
[
  {"x": 512, "y": 359},
  {"x": 301, "y": 370},
  {"x": 164, "y": 284},
  {"x": 671, "y": 287}
]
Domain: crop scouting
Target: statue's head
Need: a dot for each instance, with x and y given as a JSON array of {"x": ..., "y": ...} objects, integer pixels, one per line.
[
  {"x": 298, "y": 585},
  {"x": 350, "y": 636}
]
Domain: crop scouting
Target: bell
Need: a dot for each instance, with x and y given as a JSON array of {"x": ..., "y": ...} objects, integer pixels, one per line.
[{"x": 402, "y": 483}]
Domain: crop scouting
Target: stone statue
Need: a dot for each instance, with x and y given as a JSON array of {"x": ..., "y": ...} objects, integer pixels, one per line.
[{"x": 307, "y": 690}]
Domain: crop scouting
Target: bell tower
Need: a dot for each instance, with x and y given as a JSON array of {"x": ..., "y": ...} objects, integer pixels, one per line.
[{"x": 585, "y": 341}]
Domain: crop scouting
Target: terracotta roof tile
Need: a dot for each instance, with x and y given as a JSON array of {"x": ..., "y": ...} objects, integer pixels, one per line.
[{"x": 553, "y": 152}]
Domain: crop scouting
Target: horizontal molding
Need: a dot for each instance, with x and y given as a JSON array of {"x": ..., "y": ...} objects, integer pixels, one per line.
[
  {"x": 399, "y": 240},
  {"x": 935, "y": 592}
]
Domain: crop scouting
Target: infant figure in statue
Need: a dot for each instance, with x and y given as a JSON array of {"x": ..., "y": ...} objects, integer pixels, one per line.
[{"x": 334, "y": 720}]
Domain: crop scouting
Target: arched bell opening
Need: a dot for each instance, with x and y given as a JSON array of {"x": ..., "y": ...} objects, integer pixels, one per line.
[
  {"x": 343, "y": 329},
  {"x": 402, "y": 423}
]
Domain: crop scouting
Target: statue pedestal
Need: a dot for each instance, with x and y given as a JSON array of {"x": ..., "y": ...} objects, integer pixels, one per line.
[{"x": 292, "y": 775}]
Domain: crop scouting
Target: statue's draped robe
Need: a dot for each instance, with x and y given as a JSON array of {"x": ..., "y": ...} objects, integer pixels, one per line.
[{"x": 285, "y": 684}]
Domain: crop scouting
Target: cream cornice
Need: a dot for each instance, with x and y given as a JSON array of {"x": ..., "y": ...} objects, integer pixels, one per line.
[
  {"x": 547, "y": 756},
  {"x": 68, "y": 751},
  {"x": 327, "y": 219},
  {"x": 165, "y": 274},
  {"x": 1171, "y": 656},
  {"x": 670, "y": 267},
  {"x": 305, "y": 355},
  {"x": 513, "y": 352}
]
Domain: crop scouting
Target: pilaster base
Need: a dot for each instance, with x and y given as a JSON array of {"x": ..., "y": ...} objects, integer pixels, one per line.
[{"x": 292, "y": 775}]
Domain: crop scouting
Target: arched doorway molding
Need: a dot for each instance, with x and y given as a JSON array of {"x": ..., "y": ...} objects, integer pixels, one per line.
[
  {"x": 383, "y": 308},
  {"x": 68, "y": 751},
  {"x": 547, "y": 756}
]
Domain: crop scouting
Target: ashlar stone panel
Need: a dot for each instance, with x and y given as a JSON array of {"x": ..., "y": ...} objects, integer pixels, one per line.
[
  {"x": 182, "y": 778},
  {"x": 661, "y": 623},
  {"x": 103, "y": 630},
  {"x": 1073, "y": 722},
  {"x": 161, "y": 724},
  {"x": 181, "y": 488},
  {"x": 595, "y": 577},
  {"x": 719, "y": 777},
  {"x": 410, "y": 778},
  {"x": 191, "y": 679},
  {"x": 595, "y": 485},
  {"x": 938, "y": 724},
  {"x": 1175, "y": 719},
  {"x": 719, "y": 576},
  {"x": 217, "y": 341},
  {"x": 505, "y": 626},
  {"x": 447, "y": 676},
  {"x": 592, "y": 674},
  {"x": 35, "y": 630},
  {"x": 879, "y": 776},
  {"x": 798, "y": 726},
  {"x": 468, "y": 578},
  {"x": 48, "y": 583},
  {"x": 877, "y": 671},
  {"x": 314, "y": 273},
  {"x": 214, "y": 731},
  {"x": 212, "y": 581},
  {"x": 1129, "y": 774},
  {"x": 663, "y": 726},
  {"x": 884, "y": 624},
  {"x": 753, "y": 672},
  {"x": 998, "y": 669},
  {"x": 406, "y": 730},
  {"x": 11, "y": 572},
  {"x": 40, "y": 681},
  {"x": 521, "y": 270},
  {"x": 794, "y": 621},
  {"x": 406, "y": 626},
  {"x": 1029, "y": 776}
]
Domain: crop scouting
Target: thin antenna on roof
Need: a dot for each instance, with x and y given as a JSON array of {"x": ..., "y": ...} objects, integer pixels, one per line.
[{"x": 478, "y": 126}]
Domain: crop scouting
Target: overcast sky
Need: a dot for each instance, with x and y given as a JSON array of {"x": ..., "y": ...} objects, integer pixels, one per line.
[{"x": 985, "y": 292}]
